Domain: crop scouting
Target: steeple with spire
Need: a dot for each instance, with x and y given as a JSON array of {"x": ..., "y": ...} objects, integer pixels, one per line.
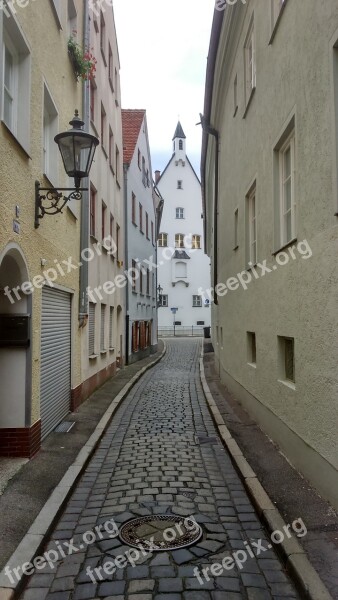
[{"x": 179, "y": 141}]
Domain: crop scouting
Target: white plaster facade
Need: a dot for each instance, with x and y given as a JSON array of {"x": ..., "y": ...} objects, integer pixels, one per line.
[
  {"x": 184, "y": 276},
  {"x": 292, "y": 103},
  {"x": 141, "y": 224},
  {"x": 101, "y": 357}
]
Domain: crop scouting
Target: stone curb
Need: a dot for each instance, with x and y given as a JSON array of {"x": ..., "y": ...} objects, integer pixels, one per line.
[
  {"x": 292, "y": 553},
  {"x": 35, "y": 538}
]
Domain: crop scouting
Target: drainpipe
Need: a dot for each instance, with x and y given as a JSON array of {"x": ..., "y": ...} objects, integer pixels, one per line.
[
  {"x": 125, "y": 194},
  {"x": 84, "y": 222}
]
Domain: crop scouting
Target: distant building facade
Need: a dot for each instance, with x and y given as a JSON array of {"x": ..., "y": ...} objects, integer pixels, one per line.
[
  {"x": 183, "y": 272},
  {"x": 141, "y": 214},
  {"x": 269, "y": 176}
]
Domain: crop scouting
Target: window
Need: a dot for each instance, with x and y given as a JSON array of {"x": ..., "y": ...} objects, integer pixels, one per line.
[
  {"x": 116, "y": 88},
  {"x": 144, "y": 177},
  {"x": 179, "y": 240},
  {"x": 103, "y": 38},
  {"x": 287, "y": 359},
  {"x": 148, "y": 283},
  {"x": 111, "y": 327},
  {"x": 110, "y": 67},
  {"x": 200, "y": 323},
  {"x": 72, "y": 18},
  {"x": 179, "y": 213},
  {"x": 164, "y": 300},
  {"x": 286, "y": 182},
  {"x": 102, "y": 336},
  {"x": 178, "y": 322},
  {"x": 16, "y": 83},
  {"x": 181, "y": 270},
  {"x": 252, "y": 227},
  {"x": 276, "y": 10},
  {"x": 197, "y": 301},
  {"x": 139, "y": 159},
  {"x": 50, "y": 129},
  {"x": 179, "y": 184},
  {"x": 180, "y": 144},
  {"x": 92, "y": 211},
  {"x": 117, "y": 165},
  {"x": 236, "y": 229},
  {"x": 111, "y": 232},
  {"x": 147, "y": 226},
  {"x": 57, "y": 5},
  {"x": 196, "y": 242},
  {"x": 91, "y": 329},
  {"x": 251, "y": 347},
  {"x": 117, "y": 242},
  {"x": 103, "y": 126},
  {"x": 92, "y": 100},
  {"x": 250, "y": 64},
  {"x": 103, "y": 220},
  {"x": 152, "y": 232},
  {"x": 111, "y": 149},
  {"x": 133, "y": 208},
  {"x": 163, "y": 240},
  {"x": 133, "y": 275},
  {"x": 140, "y": 209},
  {"x": 235, "y": 95},
  {"x": 141, "y": 280}
]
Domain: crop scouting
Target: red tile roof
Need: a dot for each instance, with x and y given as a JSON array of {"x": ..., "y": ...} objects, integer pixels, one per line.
[{"x": 131, "y": 124}]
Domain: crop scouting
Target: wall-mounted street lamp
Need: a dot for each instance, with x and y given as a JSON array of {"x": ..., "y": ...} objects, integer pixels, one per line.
[
  {"x": 159, "y": 295},
  {"x": 77, "y": 150}
]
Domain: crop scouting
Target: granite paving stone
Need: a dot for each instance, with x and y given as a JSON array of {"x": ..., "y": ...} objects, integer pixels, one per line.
[{"x": 151, "y": 461}]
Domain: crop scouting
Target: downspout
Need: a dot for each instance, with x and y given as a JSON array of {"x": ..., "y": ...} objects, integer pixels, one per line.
[
  {"x": 84, "y": 222},
  {"x": 125, "y": 194}
]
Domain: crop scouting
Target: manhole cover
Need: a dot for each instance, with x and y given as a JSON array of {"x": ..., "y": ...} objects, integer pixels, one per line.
[{"x": 161, "y": 532}]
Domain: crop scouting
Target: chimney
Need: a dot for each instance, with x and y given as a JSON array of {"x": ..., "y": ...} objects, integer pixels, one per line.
[{"x": 157, "y": 176}]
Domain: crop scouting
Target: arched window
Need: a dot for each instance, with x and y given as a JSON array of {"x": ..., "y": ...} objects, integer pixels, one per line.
[
  {"x": 180, "y": 144},
  {"x": 163, "y": 240},
  {"x": 179, "y": 240},
  {"x": 181, "y": 269},
  {"x": 179, "y": 213},
  {"x": 196, "y": 242}
]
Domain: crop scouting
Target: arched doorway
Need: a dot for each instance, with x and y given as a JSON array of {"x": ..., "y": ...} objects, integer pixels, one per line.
[{"x": 16, "y": 435}]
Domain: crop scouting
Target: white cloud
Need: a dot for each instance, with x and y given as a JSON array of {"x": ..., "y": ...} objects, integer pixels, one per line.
[{"x": 163, "y": 50}]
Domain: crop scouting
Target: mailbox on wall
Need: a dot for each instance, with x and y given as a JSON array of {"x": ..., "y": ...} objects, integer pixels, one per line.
[{"x": 14, "y": 331}]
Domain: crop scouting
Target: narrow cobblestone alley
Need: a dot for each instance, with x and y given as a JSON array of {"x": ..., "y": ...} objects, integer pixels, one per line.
[{"x": 161, "y": 455}]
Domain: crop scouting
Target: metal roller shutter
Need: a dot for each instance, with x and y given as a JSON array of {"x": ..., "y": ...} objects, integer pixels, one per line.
[{"x": 55, "y": 358}]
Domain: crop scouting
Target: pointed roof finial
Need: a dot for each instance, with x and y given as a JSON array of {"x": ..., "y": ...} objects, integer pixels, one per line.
[{"x": 179, "y": 133}]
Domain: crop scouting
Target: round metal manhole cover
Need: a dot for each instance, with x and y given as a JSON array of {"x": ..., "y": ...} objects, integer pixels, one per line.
[{"x": 161, "y": 532}]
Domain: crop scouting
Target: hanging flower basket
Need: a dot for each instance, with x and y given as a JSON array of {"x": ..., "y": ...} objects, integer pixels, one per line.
[{"x": 84, "y": 63}]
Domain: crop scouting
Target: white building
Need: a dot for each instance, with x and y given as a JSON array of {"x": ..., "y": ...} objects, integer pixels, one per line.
[
  {"x": 141, "y": 232},
  {"x": 184, "y": 271}
]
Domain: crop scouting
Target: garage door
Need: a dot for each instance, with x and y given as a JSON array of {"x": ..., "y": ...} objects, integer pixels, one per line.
[{"x": 55, "y": 358}]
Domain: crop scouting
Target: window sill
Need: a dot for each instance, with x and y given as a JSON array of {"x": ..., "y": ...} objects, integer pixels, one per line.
[
  {"x": 134, "y": 292},
  {"x": 235, "y": 247},
  {"x": 112, "y": 170},
  {"x": 287, "y": 383},
  {"x": 235, "y": 111},
  {"x": 103, "y": 351},
  {"x": 16, "y": 139},
  {"x": 104, "y": 57},
  {"x": 104, "y": 151},
  {"x": 111, "y": 349},
  {"x": 276, "y": 25},
  {"x": 287, "y": 245},
  {"x": 94, "y": 127},
  {"x": 54, "y": 186},
  {"x": 111, "y": 85},
  {"x": 93, "y": 237},
  {"x": 252, "y": 93},
  {"x": 135, "y": 224},
  {"x": 118, "y": 183},
  {"x": 93, "y": 356},
  {"x": 252, "y": 365}
]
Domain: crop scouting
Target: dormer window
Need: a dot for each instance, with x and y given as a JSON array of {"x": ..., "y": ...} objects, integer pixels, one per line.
[{"x": 179, "y": 185}]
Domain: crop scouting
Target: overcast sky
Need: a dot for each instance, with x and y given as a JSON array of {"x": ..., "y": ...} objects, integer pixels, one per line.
[{"x": 163, "y": 48}]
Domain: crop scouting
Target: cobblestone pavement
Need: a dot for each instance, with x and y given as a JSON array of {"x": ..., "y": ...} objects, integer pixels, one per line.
[{"x": 157, "y": 447}]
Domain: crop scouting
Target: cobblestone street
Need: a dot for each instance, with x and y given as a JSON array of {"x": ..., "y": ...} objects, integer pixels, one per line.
[{"x": 161, "y": 455}]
